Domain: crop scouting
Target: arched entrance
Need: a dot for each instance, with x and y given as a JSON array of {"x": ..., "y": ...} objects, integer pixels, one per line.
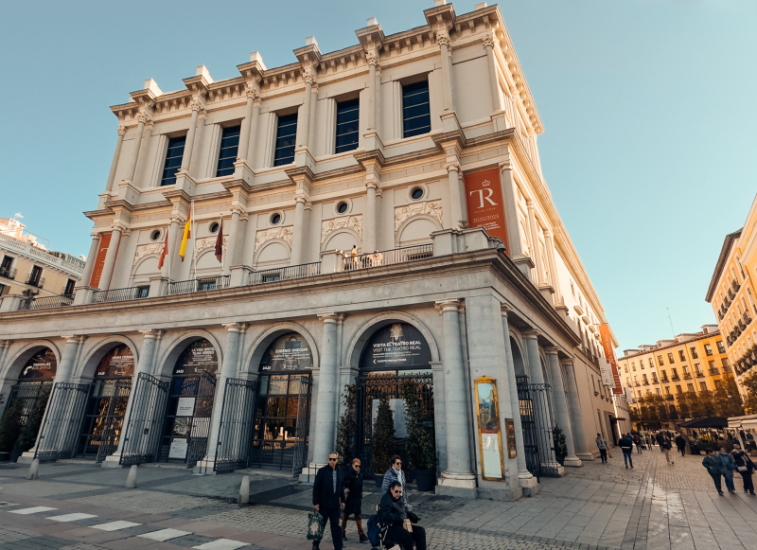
[
  {"x": 106, "y": 404},
  {"x": 395, "y": 354},
  {"x": 282, "y": 405},
  {"x": 190, "y": 404},
  {"x": 29, "y": 398}
]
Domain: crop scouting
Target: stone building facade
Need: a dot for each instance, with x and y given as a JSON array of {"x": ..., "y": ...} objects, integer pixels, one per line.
[{"x": 417, "y": 150}]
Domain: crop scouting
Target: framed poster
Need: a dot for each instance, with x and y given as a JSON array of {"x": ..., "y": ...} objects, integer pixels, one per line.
[
  {"x": 186, "y": 406},
  {"x": 512, "y": 449},
  {"x": 489, "y": 432},
  {"x": 178, "y": 449}
]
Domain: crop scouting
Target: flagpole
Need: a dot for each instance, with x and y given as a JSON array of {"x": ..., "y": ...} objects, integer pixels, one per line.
[{"x": 194, "y": 241}]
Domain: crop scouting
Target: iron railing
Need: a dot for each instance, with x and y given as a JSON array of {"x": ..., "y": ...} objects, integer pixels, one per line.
[
  {"x": 39, "y": 282},
  {"x": 7, "y": 272},
  {"x": 537, "y": 427},
  {"x": 198, "y": 285},
  {"x": 284, "y": 273},
  {"x": 48, "y": 302},
  {"x": 388, "y": 257},
  {"x": 144, "y": 420},
  {"x": 63, "y": 418},
  {"x": 120, "y": 294},
  {"x": 233, "y": 449}
]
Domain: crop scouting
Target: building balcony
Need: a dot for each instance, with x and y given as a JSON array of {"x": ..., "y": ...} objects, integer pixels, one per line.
[
  {"x": 675, "y": 378},
  {"x": 687, "y": 376},
  {"x": 700, "y": 374},
  {"x": 48, "y": 302},
  {"x": 714, "y": 372},
  {"x": 669, "y": 398},
  {"x": 664, "y": 380},
  {"x": 727, "y": 369},
  {"x": 39, "y": 282},
  {"x": 120, "y": 294},
  {"x": 198, "y": 285},
  {"x": 7, "y": 272}
]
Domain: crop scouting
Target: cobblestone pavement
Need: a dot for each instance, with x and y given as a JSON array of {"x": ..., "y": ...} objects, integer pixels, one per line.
[{"x": 76, "y": 506}]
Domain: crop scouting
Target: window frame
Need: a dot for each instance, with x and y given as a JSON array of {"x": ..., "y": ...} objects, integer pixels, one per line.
[
  {"x": 355, "y": 107},
  {"x": 407, "y": 90},
  {"x": 288, "y": 117},
  {"x": 220, "y": 159},
  {"x": 165, "y": 179}
]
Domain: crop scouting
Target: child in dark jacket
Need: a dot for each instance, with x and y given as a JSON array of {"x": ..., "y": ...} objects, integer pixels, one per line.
[{"x": 353, "y": 489}]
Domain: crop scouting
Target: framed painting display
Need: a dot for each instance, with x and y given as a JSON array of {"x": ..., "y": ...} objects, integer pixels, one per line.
[{"x": 489, "y": 430}]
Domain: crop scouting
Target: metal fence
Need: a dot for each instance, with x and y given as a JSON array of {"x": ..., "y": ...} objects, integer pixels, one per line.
[
  {"x": 538, "y": 441},
  {"x": 283, "y": 273},
  {"x": 197, "y": 443},
  {"x": 388, "y": 257},
  {"x": 29, "y": 393},
  {"x": 63, "y": 418},
  {"x": 145, "y": 420},
  {"x": 113, "y": 420},
  {"x": 120, "y": 294},
  {"x": 48, "y": 302},
  {"x": 198, "y": 285},
  {"x": 235, "y": 431}
]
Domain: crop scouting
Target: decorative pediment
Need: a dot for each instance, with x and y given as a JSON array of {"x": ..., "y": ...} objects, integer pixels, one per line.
[
  {"x": 146, "y": 249},
  {"x": 353, "y": 223},
  {"x": 432, "y": 209},
  {"x": 282, "y": 233}
]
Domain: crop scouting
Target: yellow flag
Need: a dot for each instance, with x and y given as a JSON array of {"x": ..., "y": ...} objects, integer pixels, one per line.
[{"x": 187, "y": 234}]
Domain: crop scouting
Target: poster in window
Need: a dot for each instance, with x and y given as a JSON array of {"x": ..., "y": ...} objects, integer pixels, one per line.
[
  {"x": 117, "y": 362},
  {"x": 289, "y": 352},
  {"x": 181, "y": 426},
  {"x": 485, "y": 203},
  {"x": 398, "y": 345},
  {"x": 186, "y": 406},
  {"x": 199, "y": 356},
  {"x": 489, "y": 433},
  {"x": 178, "y": 449},
  {"x": 42, "y": 365}
]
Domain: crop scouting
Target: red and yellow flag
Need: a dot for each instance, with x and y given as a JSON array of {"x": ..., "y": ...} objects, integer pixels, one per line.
[
  {"x": 164, "y": 251},
  {"x": 186, "y": 236}
]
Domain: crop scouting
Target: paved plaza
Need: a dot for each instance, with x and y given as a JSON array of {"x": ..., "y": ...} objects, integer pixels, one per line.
[{"x": 74, "y": 506}]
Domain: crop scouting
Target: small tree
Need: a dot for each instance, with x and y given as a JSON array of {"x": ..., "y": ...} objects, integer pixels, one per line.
[
  {"x": 383, "y": 437},
  {"x": 420, "y": 447},
  {"x": 10, "y": 426},
  {"x": 750, "y": 385},
  {"x": 29, "y": 432},
  {"x": 727, "y": 400},
  {"x": 561, "y": 447},
  {"x": 347, "y": 428}
]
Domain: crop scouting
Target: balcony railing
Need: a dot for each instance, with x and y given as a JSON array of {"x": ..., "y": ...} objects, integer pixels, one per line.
[
  {"x": 388, "y": 257},
  {"x": 727, "y": 369},
  {"x": 48, "y": 302},
  {"x": 664, "y": 380},
  {"x": 120, "y": 294},
  {"x": 198, "y": 285},
  {"x": 38, "y": 282},
  {"x": 687, "y": 376},
  {"x": 700, "y": 374},
  {"x": 675, "y": 378},
  {"x": 284, "y": 273},
  {"x": 669, "y": 398},
  {"x": 7, "y": 272},
  {"x": 714, "y": 371}
]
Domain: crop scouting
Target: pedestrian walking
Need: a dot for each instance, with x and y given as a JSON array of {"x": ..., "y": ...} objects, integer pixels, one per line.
[
  {"x": 602, "y": 446},
  {"x": 393, "y": 513},
  {"x": 328, "y": 498},
  {"x": 353, "y": 488},
  {"x": 637, "y": 441},
  {"x": 666, "y": 445},
  {"x": 711, "y": 462},
  {"x": 626, "y": 445},
  {"x": 727, "y": 467},
  {"x": 395, "y": 473},
  {"x": 660, "y": 438},
  {"x": 745, "y": 467},
  {"x": 681, "y": 444}
]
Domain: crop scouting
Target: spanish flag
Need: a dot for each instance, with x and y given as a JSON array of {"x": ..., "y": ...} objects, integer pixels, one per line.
[{"x": 186, "y": 236}]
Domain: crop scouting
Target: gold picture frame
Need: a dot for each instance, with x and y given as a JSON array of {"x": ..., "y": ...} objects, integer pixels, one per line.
[{"x": 489, "y": 429}]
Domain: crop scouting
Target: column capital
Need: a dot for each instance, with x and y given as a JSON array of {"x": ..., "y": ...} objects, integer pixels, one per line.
[
  {"x": 329, "y": 317},
  {"x": 567, "y": 362},
  {"x": 506, "y": 309},
  {"x": 5, "y": 344},
  {"x": 505, "y": 165},
  {"x": 196, "y": 106},
  {"x": 551, "y": 350},
  {"x": 143, "y": 117},
  {"x": 236, "y": 210},
  {"x": 252, "y": 92},
  {"x": 119, "y": 226},
  {"x": 442, "y": 37},
  {"x": 531, "y": 333},
  {"x": 308, "y": 75},
  {"x": 77, "y": 338},
  {"x": 448, "y": 304},
  {"x": 152, "y": 332},
  {"x": 235, "y": 327},
  {"x": 452, "y": 166},
  {"x": 372, "y": 57},
  {"x": 490, "y": 40},
  {"x": 121, "y": 130}
]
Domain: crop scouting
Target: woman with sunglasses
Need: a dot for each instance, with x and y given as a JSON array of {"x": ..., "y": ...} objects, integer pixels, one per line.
[
  {"x": 353, "y": 488},
  {"x": 395, "y": 473},
  {"x": 394, "y": 515}
]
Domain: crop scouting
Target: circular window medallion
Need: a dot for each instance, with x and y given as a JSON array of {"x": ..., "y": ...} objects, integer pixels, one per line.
[
  {"x": 416, "y": 193},
  {"x": 275, "y": 219},
  {"x": 155, "y": 235},
  {"x": 342, "y": 207},
  {"x": 213, "y": 227}
]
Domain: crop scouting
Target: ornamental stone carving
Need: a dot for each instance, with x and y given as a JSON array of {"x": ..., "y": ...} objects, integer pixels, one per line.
[
  {"x": 372, "y": 57},
  {"x": 121, "y": 130},
  {"x": 252, "y": 92},
  {"x": 209, "y": 242},
  {"x": 280, "y": 233},
  {"x": 442, "y": 38},
  {"x": 490, "y": 40},
  {"x": 308, "y": 75},
  {"x": 195, "y": 106},
  {"x": 147, "y": 249},
  {"x": 353, "y": 223},
  {"x": 144, "y": 118},
  {"x": 432, "y": 209}
]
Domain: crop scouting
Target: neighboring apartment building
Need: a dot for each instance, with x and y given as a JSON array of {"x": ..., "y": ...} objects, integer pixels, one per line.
[
  {"x": 408, "y": 147},
  {"x": 732, "y": 294},
  {"x": 671, "y": 368},
  {"x": 26, "y": 265}
]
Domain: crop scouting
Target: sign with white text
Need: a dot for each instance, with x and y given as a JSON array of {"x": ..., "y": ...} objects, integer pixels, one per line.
[{"x": 485, "y": 202}]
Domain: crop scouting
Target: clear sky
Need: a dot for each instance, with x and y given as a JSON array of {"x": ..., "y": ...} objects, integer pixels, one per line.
[{"x": 649, "y": 109}]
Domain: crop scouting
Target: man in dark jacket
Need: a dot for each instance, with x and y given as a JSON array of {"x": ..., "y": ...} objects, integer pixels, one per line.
[
  {"x": 626, "y": 445},
  {"x": 393, "y": 514},
  {"x": 328, "y": 498},
  {"x": 353, "y": 487},
  {"x": 660, "y": 438},
  {"x": 681, "y": 444}
]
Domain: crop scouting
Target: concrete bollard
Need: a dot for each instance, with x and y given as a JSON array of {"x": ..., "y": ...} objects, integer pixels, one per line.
[
  {"x": 33, "y": 469},
  {"x": 131, "y": 481},
  {"x": 244, "y": 491}
]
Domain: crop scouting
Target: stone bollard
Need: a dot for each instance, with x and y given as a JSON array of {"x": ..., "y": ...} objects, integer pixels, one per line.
[
  {"x": 33, "y": 469},
  {"x": 244, "y": 491},
  {"x": 131, "y": 481}
]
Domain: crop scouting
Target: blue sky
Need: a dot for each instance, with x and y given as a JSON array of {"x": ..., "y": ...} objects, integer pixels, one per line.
[{"x": 649, "y": 110}]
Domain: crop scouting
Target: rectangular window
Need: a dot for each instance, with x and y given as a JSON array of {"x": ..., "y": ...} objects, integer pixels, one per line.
[
  {"x": 35, "y": 276},
  {"x": 679, "y": 389},
  {"x": 633, "y": 365},
  {"x": 658, "y": 391},
  {"x": 708, "y": 349},
  {"x": 667, "y": 390},
  {"x": 651, "y": 363},
  {"x": 694, "y": 353},
  {"x": 416, "y": 113},
  {"x": 703, "y": 386},
  {"x": 670, "y": 358},
  {"x": 70, "y": 285},
  {"x": 173, "y": 159},
  {"x": 5, "y": 267},
  {"x": 286, "y": 134},
  {"x": 664, "y": 375},
  {"x": 690, "y": 386},
  {"x": 143, "y": 291},
  {"x": 681, "y": 355},
  {"x": 718, "y": 384},
  {"x": 654, "y": 377},
  {"x": 721, "y": 347},
  {"x": 659, "y": 360},
  {"x": 347, "y": 125},
  {"x": 227, "y": 156}
]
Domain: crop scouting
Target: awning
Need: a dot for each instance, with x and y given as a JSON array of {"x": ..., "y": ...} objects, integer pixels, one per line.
[
  {"x": 748, "y": 421},
  {"x": 709, "y": 422}
]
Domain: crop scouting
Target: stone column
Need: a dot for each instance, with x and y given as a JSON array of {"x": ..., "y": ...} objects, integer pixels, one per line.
[
  {"x": 370, "y": 218},
  {"x": 328, "y": 393},
  {"x": 442, "y": 38},
  {"x": 228, "y": 370},
  {"x": 244, "y": 136},
  {"x": 110, "y": 258},
  {"x": 173, "y": 247},
  {"x": 550, "y": 244},
  {"x": 458, "y": 476},
  {"x": 4, "y": 346},
  {"x": 250, "y": 154},
  {"x": 232, "y": 246},
  {"x": 544, "y": 418},
  {"x": 526, "y": 479},
  {"x": 303, "y": 120},
  {"x": 576, "y": 418},
  {"x": 372, "y": 59},
  {"x": 189, "y": 144},
  {"x": 489, "y": 41},
  {"x": 298, "y": 231},
  {"x": 65, "y": 371},
  {"x": 453, "y": 169},
  {"x": 91, "y": 259},
  {"x": 561, "y": 407},
  {"x": 535, "y": 230},
  {"x": 511, "y": 210},
  {"x": 142, "y": 120},
  {"x": 116, "y": 156}
]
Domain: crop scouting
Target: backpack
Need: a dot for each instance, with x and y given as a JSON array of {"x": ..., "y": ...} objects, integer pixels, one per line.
[{"x": 375, "y": 535}]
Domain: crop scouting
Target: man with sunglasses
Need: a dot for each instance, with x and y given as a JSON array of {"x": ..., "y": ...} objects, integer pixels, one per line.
[
  {"x": 328, "y": 498},
  {"x": 393, "y": 514}
]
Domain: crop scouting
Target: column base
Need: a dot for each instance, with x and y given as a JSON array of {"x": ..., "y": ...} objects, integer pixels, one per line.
[
  {"x": 111, "y": 461},
  {"x": 556, "y": 467},
  {"x": 204, "y": 467},
  {"x": 586, "y": 456},
  {"x": 308, "y": 472},
  {"x": 572, "y": 462},
  {"x": 529, "y": 485},
  {"x": 457, "y": 485},
  {"x": 26, "y": 458}
]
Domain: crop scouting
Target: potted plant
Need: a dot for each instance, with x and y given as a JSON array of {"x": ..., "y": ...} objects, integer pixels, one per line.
[
  {"x": 10, "y": 428},
  {"x": 347, "y": 427},
  {"x": 561, "y": 448},
  {"x": 420, "y": 445},
  {"x": 28, "y": 436},
  {"x": 382, "y": 445}
]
